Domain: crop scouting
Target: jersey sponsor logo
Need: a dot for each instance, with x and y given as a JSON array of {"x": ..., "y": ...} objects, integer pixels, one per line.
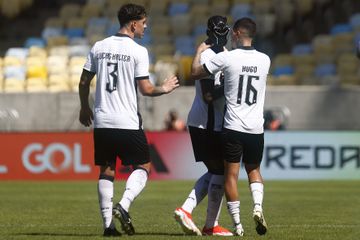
[{"x": 55, "y": 158}]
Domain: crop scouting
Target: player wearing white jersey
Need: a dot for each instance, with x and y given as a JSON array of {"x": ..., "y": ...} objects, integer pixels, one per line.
[
  {"x": 205, "y": 123},
  {"x": 121, "y": 66},
  {"x": 245, "y": 70}
]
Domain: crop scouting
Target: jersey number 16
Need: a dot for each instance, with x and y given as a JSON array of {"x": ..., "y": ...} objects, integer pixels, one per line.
[{"x": 251, "y": 92}]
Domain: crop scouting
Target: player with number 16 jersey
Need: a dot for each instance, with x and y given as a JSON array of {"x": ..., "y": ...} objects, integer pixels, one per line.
[{"x": 246, "y": 70}]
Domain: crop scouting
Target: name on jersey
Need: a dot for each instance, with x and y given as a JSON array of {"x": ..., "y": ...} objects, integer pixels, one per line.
[
  {"x": 113, "y": 56},
  {"x": 249, "y": 69}
]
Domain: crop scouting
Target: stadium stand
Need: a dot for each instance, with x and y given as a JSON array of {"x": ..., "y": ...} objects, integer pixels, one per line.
[{"x": 304, "y": 50}]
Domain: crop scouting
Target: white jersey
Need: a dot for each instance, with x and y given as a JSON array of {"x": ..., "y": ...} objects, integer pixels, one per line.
[
  {"x": 245, "y": 71},
  {"x": 118, "y": 62},
  {"x": 198, "y": 115}
]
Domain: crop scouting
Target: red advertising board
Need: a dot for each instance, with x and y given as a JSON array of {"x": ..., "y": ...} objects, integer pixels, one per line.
[{"x": 69, "y": 156}]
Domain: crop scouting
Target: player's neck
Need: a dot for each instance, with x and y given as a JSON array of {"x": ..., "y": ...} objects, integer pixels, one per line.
[{"x": 126, "y": 31}]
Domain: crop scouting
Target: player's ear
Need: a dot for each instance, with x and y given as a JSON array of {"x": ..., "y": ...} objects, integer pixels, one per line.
[{"x": 133, "y": 25}]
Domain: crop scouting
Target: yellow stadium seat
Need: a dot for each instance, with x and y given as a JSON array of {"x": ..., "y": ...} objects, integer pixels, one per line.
[
  {"x": 90, "y": 10},
  {"x": 184, "y": 69},
  {"x": 13, "y": 85},
  {"x": 36, "y": 71},
  {"x": 282, "y": 80},
  {"x": 283, "y": 60},
  {"x": 55, "y": 22},
  {"x": 12, "y": 61},
  {"x": 69, "y": 10},
  {"x": 11, "y": 8},
  {"x": 59, "y": 51},
  {"x": 35, "y": 61},
  {"x": 57, "y": 41},
  {"x": 35, "y": 84},
  {"x": 37, "y": 52},
  {"x": 76, "y": 22}
]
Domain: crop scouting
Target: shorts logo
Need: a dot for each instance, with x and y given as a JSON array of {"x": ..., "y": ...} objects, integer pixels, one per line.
[{"x": 38, "y": 158}]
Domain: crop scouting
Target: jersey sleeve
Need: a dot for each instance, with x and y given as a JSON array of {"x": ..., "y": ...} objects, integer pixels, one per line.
[
  {"x": 142, "y": 65},
  {"x": 216, "y": 64},
  {"x": 90, "y": 64}
]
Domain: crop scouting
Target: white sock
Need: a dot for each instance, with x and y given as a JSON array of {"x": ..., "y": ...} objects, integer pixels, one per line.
[
  {"x": 234, "y": 211},
  {"x": 215, "y": 197},
  {"x": 257, "y": 192},
  {"x": 105, "y": 195},
  {"x": 198, "y": 193},
  {"x": 134, "y": 185}
]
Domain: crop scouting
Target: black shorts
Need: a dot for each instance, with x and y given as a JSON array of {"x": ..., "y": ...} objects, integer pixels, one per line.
[
  {"x": 206, "y": 144},
  {"x": 238, "y": 144},
  {"x": 129, "y": 145}
]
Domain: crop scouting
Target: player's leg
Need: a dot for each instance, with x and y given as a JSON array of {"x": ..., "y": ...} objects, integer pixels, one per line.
[
  {"x": 215, "y": 165},
  {"x": 105, "y": 159},
  {"x": 183, "y": 214},
  {"x": 252, "y": 161},
  {"x": 197, "y": 194},
  {"x": 232, "y": 150},
  {"x": 133, "y": 150}
]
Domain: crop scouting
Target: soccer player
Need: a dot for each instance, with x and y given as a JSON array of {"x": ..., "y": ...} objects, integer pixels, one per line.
[
  {"x": 121, "y": 66},
  {"x": 245, "y": 70},
  {"x": 205, "y": 122}
]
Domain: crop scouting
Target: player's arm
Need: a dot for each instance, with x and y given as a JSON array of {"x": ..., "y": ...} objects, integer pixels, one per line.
[
  {"x": 198, "y": 71},
  {"x": 86, "y": 114},
  {"x": 148, "y": 89}
]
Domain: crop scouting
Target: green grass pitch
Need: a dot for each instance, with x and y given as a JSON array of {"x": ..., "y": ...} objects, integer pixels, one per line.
[{"x": 319, "y": 210}]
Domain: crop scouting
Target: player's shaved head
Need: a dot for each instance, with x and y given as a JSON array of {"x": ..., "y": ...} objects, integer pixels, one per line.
[{"x": 246, "y": 27}]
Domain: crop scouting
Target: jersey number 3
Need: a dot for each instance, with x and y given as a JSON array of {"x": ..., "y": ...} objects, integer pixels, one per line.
[
  {"x": 111, "y": 84},
  {"x": 251, "y": 92}
]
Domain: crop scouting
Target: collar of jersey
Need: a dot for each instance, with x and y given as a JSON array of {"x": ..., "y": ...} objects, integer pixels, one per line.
[
  {"x": 246, "y": 48},
  {"x": 121, "y": 35}
]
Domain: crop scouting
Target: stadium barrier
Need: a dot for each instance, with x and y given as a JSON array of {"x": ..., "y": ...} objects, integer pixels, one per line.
[{"x": 287, "y": 155}]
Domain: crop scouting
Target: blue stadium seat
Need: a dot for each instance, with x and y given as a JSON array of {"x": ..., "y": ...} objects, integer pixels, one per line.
[
  {"x": 241, "y": 10},
  {"x": 283, "y": 70},
  {"x": 74, "y": 32},
  {"x": 185, "y": 45},
  {"x": 301, "y": 49},
  {"x": 355, "y": 20},
  {"x": 340, "y": 28},
  {"x": 199, "y": 30},
  {"x": 178, "y": 8},
  {"x": 324, "y": 70},
  {"x": 112, "y": 29},
  {"x": 51, "y": 32},
  {"x": 34, "y": 41}
]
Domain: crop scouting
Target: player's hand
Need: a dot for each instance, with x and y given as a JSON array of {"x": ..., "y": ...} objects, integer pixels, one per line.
[
  {"x": 202, "y": 47},
  {"x": 86, "y": 116},
  {"x": 170, "y": 84}
]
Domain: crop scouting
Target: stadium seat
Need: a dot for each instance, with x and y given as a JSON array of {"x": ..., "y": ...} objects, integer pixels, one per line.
[
  {"x": 343, "y": 43},
  {"x": 36, "y": 51},
  {"x": 241, "y": 10},
  {"x": 74, "y": 33},
  {"x": 301, "y": 49},
  {"x": 36, "y": 84},
  {"x": 266, "y": 23},
  {"x": 55, "y": 41},
  {"x": 36, "y": 71},
  {"x": 35, "y": 61},
  {"x": 355, "y": 22},
  {"x": 69, "y": 10},
  {"x": 90, "y": 10},
  {"x": 181, "y": 25},
  {"x": 304, "y": 6},
  {"x": 78, "y": 41},
  {"x": 178, "y": 8},
  {"x": 58, "y": 83},
  {"x": 324, "y": 70},
  {"x": 283, "y": 70},
  {"x": 48, "y": 32},
  {"x": 13, "y": 61},
  {"x": 219, "y": 7},
  {"x": 282, "y": 80},
  {"x": 185, "y": 45},
  {"x": 79, "y": 50},
  {"x": 184, "y": 69},
  {"x": 261, "y": 6},
  {"x": 17, "y": 52},
  {"x": 55, "y": 22},
  {"x": 14, "y": 85},
  {"x": 75, "y": 22},
  {"x": 10, "y": 9},
  {"x": 34, "y": 41},
  {"x": 59, "y": 51},
  {"x": 340, "y": 28},
  {"x": 164, "y": 68}
]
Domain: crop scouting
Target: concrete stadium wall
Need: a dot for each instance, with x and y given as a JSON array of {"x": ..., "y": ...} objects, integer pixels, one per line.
[{"x": 311, "y": 108}]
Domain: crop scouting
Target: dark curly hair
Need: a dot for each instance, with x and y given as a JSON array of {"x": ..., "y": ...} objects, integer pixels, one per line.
[{"x": 130, "y": 12}]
